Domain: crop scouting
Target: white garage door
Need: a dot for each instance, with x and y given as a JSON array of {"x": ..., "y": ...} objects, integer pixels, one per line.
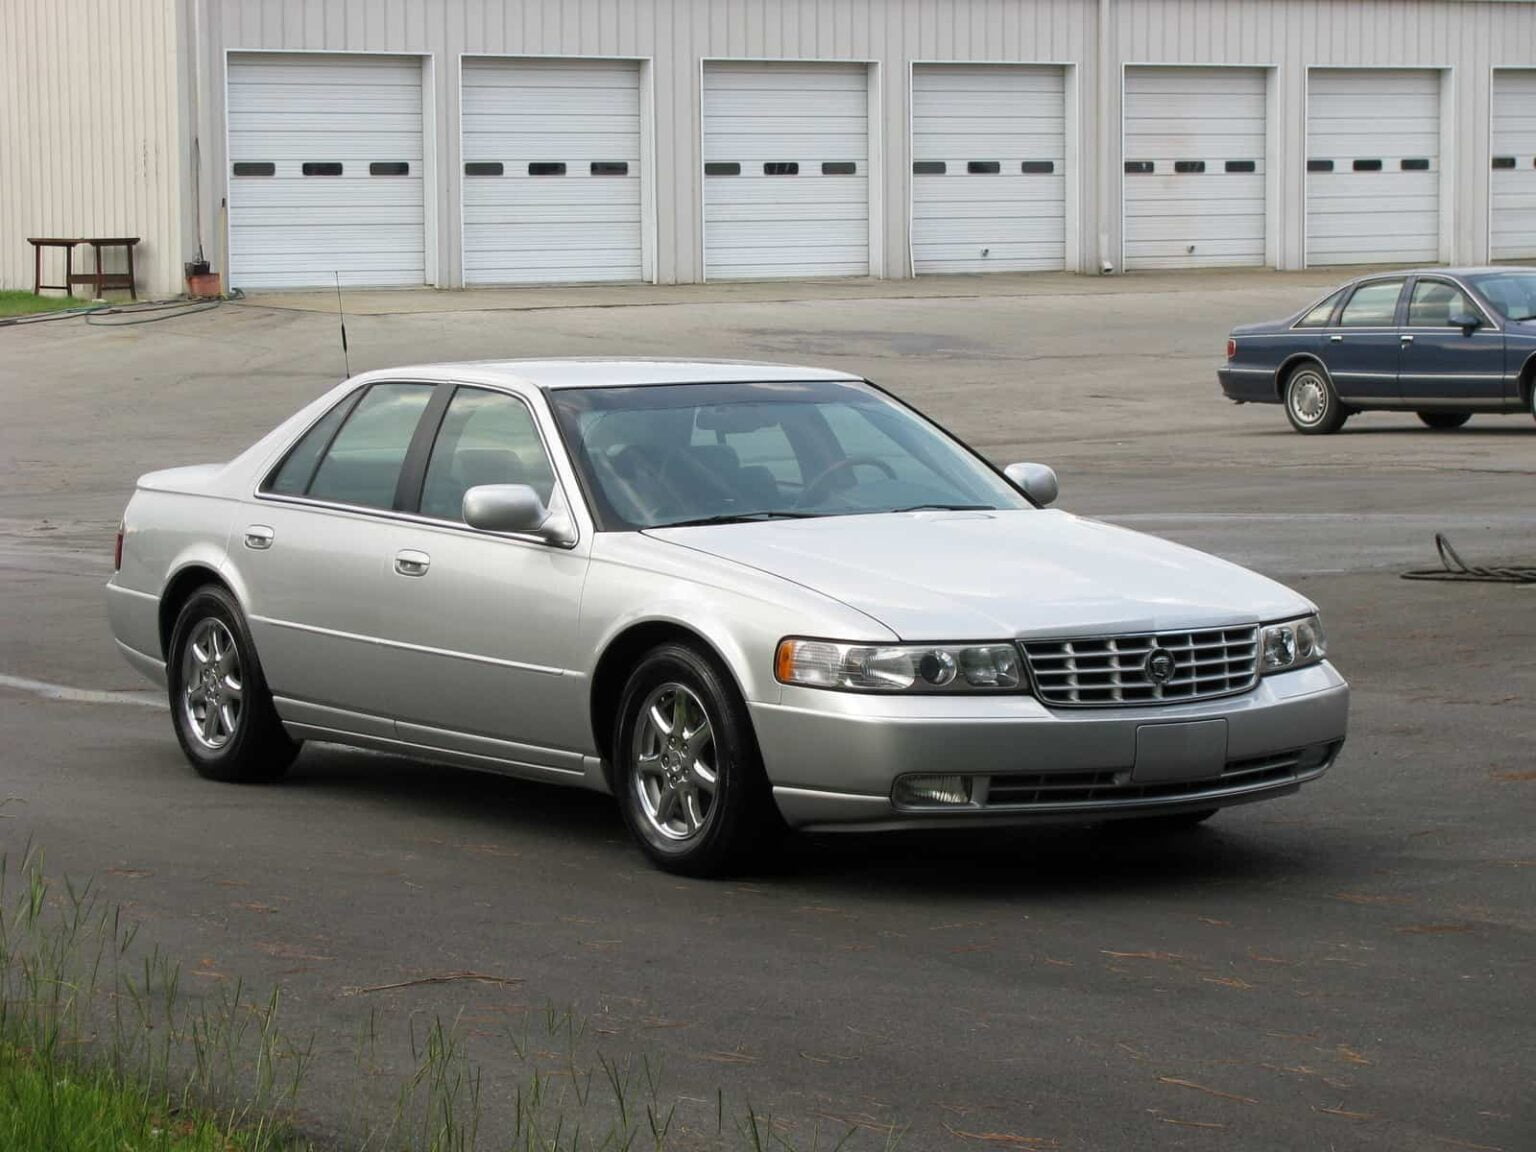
[
  {"x": 786, "y": 170},
  {"x": 552, "y": 177},
  {"x": 325, "y": 171},
  {"x": 1514, "y": 166},
  {"x": 988, "y": 168},
  {"x": 1194, "y": 167},
  {"x": 1373, "y": 167}
]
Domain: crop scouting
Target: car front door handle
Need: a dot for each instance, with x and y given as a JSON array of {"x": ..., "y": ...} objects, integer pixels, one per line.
[
  {"x": 1335, "y": 339},
  {"x": 258, "y": 537},
  {"x": 1406, "y": 339},
  {"x": 409, "y": 562}
]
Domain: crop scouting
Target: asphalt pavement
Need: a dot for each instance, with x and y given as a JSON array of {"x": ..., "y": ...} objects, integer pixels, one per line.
[{"x": 1347, "y": 968}]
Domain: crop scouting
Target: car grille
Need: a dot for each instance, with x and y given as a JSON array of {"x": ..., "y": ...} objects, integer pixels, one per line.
[
  {"x": 1046, "y": 789},
  {"x": 1111, "y": 671}
]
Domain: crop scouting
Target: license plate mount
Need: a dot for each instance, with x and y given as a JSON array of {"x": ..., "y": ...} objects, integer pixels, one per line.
[{"x": 1194, "y": 750}]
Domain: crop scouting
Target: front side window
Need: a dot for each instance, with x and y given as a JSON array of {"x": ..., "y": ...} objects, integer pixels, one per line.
[
  {"x": 672, "y": 454},
  {"x": 1434, "y": 302},
  {"x": 1512, "y": 294},
  {"x": 1319, "y": 316},
  {"x": 1372, "y": 305},
  {"x": 363, "y": 463},
  {"x": 485, "y": 438}
]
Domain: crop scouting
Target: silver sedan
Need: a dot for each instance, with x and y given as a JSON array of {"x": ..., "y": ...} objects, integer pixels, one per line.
[{"x": 739, "y": 597}]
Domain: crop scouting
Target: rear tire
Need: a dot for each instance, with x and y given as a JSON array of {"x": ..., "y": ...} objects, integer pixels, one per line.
[
  {"x": 687, "y": 770},
  {"x": 220, "y": 706},
  {"x": 1445, "y": 420},
  {"x": 1311, "y": 404}
]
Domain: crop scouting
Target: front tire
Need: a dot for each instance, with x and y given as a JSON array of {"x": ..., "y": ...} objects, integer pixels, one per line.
[
  {"x": 687, "y": 770},
  {"x": 1311, "y": 404},
  {"x": 1444, "y": 420},
  {"x": 220, "y": 706}
]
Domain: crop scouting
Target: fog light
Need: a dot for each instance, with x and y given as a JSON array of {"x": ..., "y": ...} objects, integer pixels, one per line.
[{"x": 933, "y": 790}]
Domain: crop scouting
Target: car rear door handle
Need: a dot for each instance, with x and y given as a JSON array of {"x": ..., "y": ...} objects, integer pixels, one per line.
[
  {"x": 409, "y": 562},
  {"x": 1335, "y": 339},
  {"x": 1406, "y": 339},
  {"x": 259, "y": 537}
]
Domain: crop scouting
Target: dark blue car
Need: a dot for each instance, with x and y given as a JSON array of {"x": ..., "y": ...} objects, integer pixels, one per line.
[{"x": 1441, "y": 342}]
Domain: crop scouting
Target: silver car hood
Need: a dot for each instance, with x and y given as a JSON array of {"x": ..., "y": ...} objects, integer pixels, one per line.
[{"x": 993, "y": 575}]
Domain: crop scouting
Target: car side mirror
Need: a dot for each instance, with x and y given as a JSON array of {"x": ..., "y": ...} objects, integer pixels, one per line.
[
  {"x": 1036, "y": 481},
  {"x": 515, "y": 508},
  {"x": 1466, "y": 321}
]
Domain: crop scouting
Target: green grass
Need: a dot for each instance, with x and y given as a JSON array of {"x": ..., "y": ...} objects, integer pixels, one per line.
[
  {"x": 24, "y": 303},
  {"x": 64, "y": 1108}
]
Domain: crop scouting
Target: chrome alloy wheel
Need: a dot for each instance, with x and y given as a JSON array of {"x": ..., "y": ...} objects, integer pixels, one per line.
[
  {"x": 673, "y": 762},
  {"x": 1307, "y": 397},
  {"x": 211, "y": 688}
]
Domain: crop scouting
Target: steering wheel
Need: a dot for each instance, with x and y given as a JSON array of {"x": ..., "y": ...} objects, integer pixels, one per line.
[{"x": 812, "y": 492}]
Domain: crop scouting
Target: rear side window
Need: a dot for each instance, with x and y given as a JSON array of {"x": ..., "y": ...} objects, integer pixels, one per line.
[
  {"x": 1319, "y": 316},
  {"x": 293, "y": 477},
  {"x": 1372, "y": 305},
  {"x": 364, "y": 461},
  {"x": 486, "y": 438}
]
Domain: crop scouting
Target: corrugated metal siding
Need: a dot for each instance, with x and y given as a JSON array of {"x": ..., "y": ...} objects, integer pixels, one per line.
[
  {"x": 1289, "y": 36},
  {"x": 88, "y": 133}
]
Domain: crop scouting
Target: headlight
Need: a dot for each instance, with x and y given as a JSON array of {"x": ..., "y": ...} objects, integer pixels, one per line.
[
  {"x": 899, "y": 667},
  {"x": 1292, "y": 644}
]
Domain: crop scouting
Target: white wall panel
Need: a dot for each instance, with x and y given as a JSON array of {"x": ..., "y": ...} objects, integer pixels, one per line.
[{"x": 89, "y": 132}]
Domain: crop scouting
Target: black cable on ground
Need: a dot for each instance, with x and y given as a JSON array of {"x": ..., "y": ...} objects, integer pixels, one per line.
[
  {"x": 148, "y": 313},
  {"x": 1454, "y": 568}
]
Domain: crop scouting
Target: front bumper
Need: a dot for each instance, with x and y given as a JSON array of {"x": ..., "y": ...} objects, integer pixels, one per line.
[{"x": 834, "y": 757}]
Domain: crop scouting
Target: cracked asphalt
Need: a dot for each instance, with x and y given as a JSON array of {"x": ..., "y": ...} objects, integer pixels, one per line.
[{"x": 1347, "y": 968}]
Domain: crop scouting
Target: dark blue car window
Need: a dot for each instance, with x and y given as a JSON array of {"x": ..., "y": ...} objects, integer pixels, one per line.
[
  {"x": 1319, "y": 316},
  {"x": 1372, "y": 305}
]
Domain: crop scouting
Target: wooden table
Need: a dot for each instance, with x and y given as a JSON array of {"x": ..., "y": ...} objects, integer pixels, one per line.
[{"x": 96, "y": 278}]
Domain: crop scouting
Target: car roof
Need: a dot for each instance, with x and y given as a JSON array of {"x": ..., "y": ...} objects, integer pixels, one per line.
[
  {"x": 1399, "y": 273},
  {"x": 594, "y": 372}
]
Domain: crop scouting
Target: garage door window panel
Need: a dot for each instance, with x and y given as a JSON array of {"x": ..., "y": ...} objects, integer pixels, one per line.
[
  {"x": 485, "y": 438},
  {"x": 363, "y": 464}
]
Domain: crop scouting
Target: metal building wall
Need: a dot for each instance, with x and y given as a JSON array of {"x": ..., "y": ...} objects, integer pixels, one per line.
[
  {"x": 1467, "y": 36},
  {"x": 89, "y": 133}
]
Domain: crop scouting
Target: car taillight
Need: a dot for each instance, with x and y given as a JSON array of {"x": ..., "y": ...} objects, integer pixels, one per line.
[
  {"x": 1231, "y": 347},
  {"x": 117, "y": 550}
]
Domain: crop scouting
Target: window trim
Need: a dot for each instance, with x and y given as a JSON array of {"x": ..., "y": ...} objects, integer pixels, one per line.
[{"x": 1464, "y": 289}]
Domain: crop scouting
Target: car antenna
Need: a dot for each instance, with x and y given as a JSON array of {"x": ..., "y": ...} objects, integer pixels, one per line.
[{"x": 341, "y": 314}]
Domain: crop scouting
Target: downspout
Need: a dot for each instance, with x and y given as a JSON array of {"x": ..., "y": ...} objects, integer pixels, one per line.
[{"x": 1103, "y": 131}]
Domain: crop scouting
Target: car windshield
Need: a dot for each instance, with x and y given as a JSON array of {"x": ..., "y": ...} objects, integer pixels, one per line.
[
  {"x": 655, "y": 456},
  {"x": 1512, "y": 293}
]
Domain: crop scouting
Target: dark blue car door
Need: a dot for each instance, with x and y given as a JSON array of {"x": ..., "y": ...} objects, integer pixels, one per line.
[
  {"x": 1441, "y": 362},
  {"x": 1361, "y": 348}
]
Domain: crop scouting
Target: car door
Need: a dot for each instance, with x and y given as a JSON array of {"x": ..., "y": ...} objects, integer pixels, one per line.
[
  {"x": 1444, "y": 363},
  {"x": 311, "y": 555},
  {"x": 1361, "y": 348},
  {"x": 482, "y": 626}
]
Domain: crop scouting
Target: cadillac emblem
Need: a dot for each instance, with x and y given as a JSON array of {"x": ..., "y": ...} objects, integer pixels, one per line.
[{"x": 1160, "y": 666}]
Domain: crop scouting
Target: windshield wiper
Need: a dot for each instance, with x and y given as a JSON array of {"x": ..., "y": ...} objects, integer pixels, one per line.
[
  {"x": 738, "y": 518},
  {"x": 945, "y": 508}
]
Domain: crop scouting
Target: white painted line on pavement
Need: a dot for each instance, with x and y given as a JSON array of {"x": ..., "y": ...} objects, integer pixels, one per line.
[{"x": 81, "y": 695}]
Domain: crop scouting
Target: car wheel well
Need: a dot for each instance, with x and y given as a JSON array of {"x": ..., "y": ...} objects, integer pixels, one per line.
[
  {"x": 177, "y": 592},
  {"x": 619, "y": 659},
  {"x": 1283, "y": 373}
]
